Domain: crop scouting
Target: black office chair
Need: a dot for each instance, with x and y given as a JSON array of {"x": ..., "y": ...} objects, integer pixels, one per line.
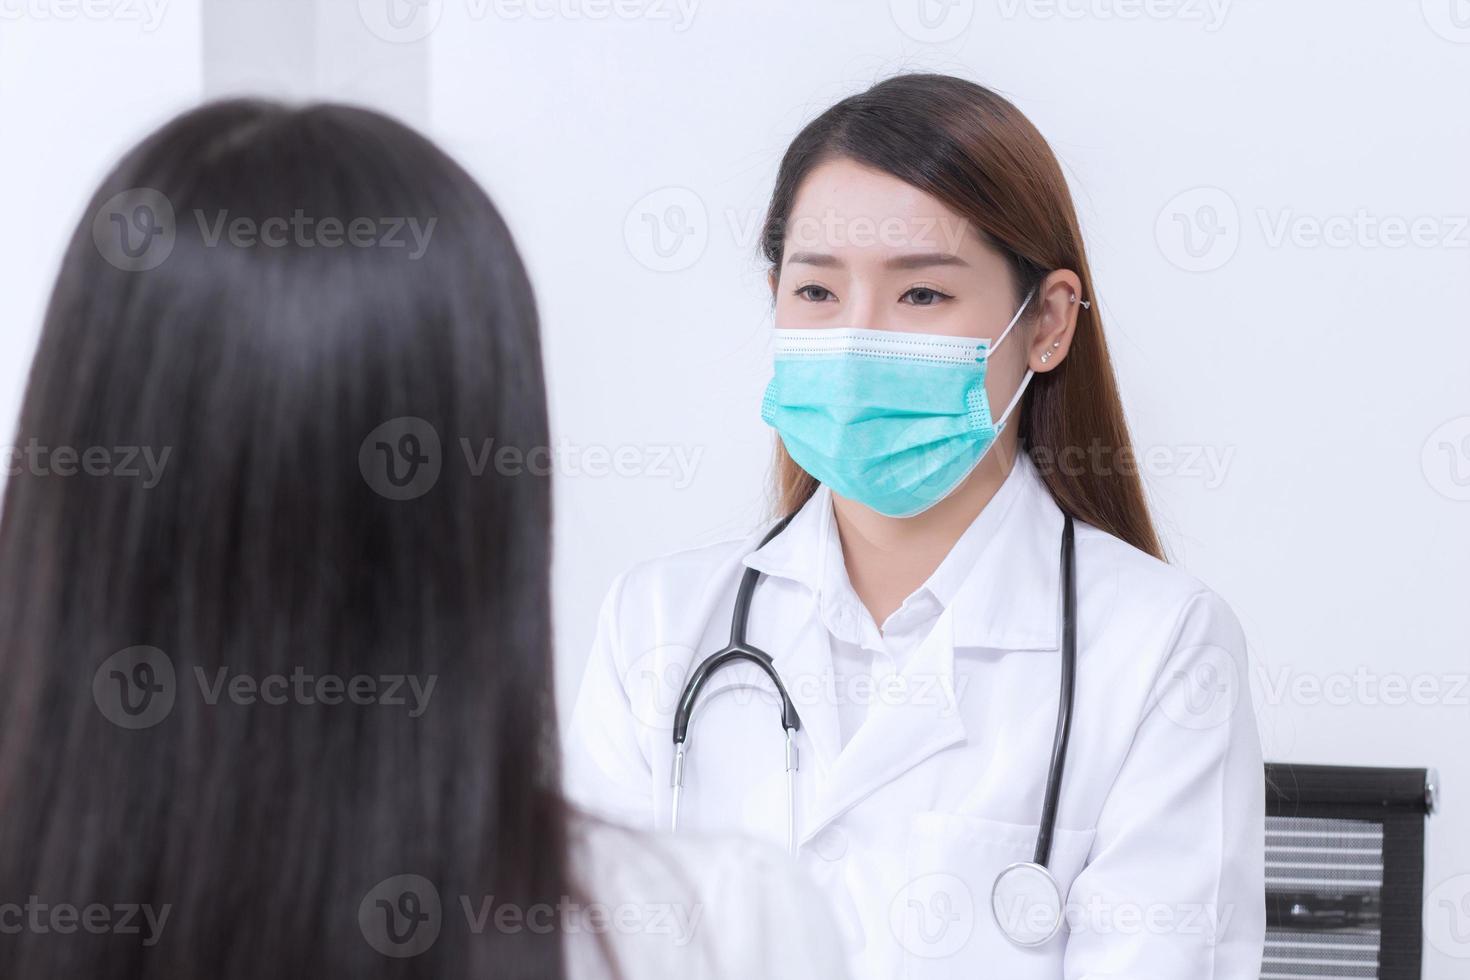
[{"x": 1345, "y": 871}]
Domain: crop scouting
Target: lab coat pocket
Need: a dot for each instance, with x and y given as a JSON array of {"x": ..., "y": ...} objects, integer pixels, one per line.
[{"x": 942, "y": 915}]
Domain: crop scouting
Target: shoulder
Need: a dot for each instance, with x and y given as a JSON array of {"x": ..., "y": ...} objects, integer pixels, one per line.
[
  {"x": 689, "y": 564},
  {"x": 679, "y": 588},
  {"x": 1103, "y": 558},
  {"x": 1149, "y": 604},
  {"x": 1102, "y": 554},
  {"x": 726, "y": 901}
]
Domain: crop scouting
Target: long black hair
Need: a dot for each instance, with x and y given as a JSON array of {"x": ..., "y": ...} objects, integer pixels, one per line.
[{"x": 274, "y": 647}]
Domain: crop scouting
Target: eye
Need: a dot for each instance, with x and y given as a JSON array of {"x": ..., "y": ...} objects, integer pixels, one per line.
[
  {"x": 924, "y": 296},
  {"x": 813, "y": 293}
]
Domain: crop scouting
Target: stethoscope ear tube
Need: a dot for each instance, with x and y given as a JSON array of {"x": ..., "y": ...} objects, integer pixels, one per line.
[
  {"x": 739, "y": 649},
  {"x": 697, "y": 680}
]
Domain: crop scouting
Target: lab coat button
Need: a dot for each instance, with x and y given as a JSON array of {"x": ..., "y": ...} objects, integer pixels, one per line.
[{"x": 831, "y": 844}]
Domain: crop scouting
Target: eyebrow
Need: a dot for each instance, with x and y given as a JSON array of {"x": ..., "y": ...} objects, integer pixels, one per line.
[
  {"x": 819, "y": 259},
  {"x": 924, "y": 260},
  {"x": 921, "y": 260}
]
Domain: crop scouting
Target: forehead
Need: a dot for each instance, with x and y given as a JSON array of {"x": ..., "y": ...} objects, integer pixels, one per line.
[{"x": 844, "y": 205}]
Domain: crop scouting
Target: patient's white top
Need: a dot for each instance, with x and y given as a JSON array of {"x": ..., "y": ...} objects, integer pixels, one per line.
[{"x": 696, "y": 908}]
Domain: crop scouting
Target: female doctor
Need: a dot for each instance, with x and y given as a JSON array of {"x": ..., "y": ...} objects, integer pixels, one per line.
[{"x": 964, "y": 522}]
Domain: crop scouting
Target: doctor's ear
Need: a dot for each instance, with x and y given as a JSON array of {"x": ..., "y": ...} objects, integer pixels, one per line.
[
  {"x": 774, "y": 278},
  {"x": 1060, "y": 300}
]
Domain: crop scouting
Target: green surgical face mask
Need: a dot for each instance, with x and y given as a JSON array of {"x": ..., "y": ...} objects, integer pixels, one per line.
[{"x": 895, "y": 421}]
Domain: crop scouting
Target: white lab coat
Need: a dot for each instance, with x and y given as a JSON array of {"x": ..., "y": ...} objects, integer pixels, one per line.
[
  {"x": 1159, "y": 847},
  {"x": 706, "y": 907}
]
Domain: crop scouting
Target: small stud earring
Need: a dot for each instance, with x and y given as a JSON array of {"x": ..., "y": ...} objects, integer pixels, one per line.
[
  {"x": 1045, "y": 356},
  {"x": 1056, "y": 344},
  {"x": 1086, "y": 304}
]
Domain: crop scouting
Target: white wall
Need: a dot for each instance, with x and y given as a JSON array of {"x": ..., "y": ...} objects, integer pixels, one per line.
[
  {"x": 78, "y": 86},
  {"x": 1308, "y": 398}
]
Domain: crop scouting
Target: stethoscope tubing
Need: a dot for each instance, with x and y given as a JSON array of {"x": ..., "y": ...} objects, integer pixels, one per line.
[
  {"x": 739, "y": 650},
  {"x": 1052, "y": 796}
]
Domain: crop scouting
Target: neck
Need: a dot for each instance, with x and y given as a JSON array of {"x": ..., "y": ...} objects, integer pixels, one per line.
[{"x": 888, "y": 558}]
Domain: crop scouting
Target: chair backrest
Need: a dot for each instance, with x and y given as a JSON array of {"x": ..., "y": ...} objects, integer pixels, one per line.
[{"x": 1344, "y": 871}]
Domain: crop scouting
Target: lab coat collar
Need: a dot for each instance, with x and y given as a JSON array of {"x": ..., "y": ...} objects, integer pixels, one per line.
[
  {"x": 1010, "y": 599},
  {"x": 1002, "y": 589}
]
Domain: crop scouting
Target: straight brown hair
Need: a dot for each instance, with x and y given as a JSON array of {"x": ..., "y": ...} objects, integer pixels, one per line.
[{"x": 974, "y": 151}]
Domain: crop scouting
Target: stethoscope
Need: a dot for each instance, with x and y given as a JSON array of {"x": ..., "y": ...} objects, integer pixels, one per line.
[{"x": 1026, "y": 898}]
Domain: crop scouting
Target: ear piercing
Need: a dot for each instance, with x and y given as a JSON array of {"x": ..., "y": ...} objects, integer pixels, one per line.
[{"x": 1086, "y": 305}]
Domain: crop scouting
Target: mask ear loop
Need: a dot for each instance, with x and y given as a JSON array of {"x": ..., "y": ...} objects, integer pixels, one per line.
[
  {"x": 1026, "y": 380},
  {"x": 1014, "y": 320}
]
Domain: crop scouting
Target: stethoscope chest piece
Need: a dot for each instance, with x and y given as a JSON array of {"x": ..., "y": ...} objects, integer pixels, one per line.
[{"x": 1028, "y": 904}]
